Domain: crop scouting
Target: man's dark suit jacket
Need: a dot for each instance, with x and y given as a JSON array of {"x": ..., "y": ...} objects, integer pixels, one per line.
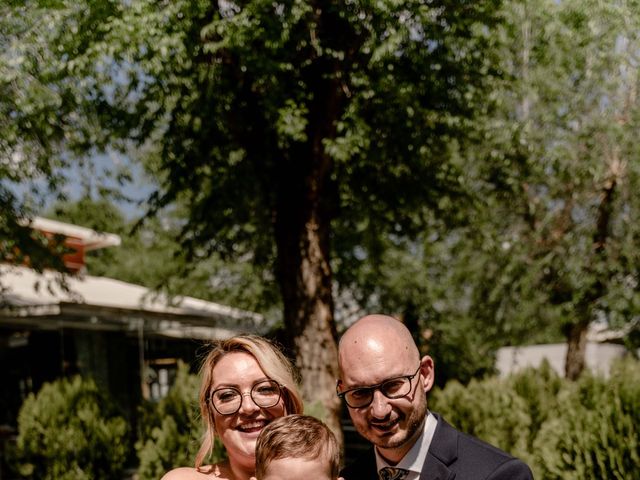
[{"x": 452, "y": 454}]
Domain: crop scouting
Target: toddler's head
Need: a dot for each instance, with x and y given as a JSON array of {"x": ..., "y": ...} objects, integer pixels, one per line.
[{"x": 297, "y": 446}]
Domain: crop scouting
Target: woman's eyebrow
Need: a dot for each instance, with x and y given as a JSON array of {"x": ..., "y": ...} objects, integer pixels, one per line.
[{"x": 237, "y": 386}]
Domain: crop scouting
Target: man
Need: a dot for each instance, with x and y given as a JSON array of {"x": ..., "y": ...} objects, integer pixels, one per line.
[{"x": 384, "y": 383}]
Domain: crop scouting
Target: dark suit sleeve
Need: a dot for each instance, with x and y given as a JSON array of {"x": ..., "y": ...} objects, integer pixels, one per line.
[
  {"x": 364, "y": 468},
  {"x": 512, "y": 469}
]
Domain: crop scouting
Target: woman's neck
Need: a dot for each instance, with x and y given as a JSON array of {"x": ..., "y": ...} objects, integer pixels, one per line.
[{"x": 239, "y": 471}]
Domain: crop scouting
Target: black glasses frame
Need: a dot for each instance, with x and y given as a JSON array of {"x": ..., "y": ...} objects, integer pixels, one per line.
[
  {"x": 378, "y": 386},
  {"x": 242, "y": 395}
]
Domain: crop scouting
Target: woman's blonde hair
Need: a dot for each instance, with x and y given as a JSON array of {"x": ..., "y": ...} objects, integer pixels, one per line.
[{"x": 273, "y": 363}]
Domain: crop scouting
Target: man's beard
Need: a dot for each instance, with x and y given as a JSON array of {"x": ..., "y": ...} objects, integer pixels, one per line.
[{"x": 415, "y": 425}]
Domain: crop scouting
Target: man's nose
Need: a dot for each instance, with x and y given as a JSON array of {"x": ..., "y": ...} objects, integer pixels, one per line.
[{"x": 380, "y": 407}]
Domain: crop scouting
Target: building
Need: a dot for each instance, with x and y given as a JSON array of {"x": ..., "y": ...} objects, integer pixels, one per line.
[
  {"x": 602, "y": 349},
  {"x": 128, "y": 338}
]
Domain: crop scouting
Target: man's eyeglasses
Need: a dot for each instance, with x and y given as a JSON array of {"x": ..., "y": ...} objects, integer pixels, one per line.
[
  {"x": 396, "y": 387},
  {"x": 227, "y": 400}
]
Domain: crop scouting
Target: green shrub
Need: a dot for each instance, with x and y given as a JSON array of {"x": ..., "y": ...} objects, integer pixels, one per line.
[
  {"x": 625, "y": 382},
  {"x": 594, "y": 433},
  {"x": 589, "y": 429},
  {"x": 539, "y": 388},
  {"x": 171, "y": 429},
  {"x": 71, "y": 431},
  {"x": 489, "y": 409}
]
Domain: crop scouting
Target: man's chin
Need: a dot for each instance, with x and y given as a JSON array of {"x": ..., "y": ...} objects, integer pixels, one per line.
[{"x": 389, "y": 440}]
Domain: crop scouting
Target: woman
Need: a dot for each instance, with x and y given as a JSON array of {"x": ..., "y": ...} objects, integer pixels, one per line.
[{"x": 246, "y": 383}]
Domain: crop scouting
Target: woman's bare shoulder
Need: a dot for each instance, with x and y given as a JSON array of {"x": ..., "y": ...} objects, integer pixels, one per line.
[
  {"x": 190, "y": 473},
  {"x": 183, "y": 473}
]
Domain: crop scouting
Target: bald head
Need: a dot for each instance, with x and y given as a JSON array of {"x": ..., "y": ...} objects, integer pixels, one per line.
[
  {"x": 377, "y": 337},
  {"x": 384, "y": 383}
]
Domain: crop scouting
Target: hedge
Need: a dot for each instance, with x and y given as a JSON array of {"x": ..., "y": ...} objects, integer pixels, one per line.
[
  {"x": 70, "y": 430},
  {"x": 171, "y": 429},
  {"x": 587, "y": 429}
]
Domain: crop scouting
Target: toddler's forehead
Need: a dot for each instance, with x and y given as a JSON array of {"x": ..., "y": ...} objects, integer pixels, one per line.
[{"x": 299, "y": 467}]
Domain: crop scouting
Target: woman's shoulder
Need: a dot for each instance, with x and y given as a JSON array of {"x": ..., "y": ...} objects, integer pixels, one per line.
[
  {"x": 182, "y": 473},
  {"x": 190, "y": 473}
]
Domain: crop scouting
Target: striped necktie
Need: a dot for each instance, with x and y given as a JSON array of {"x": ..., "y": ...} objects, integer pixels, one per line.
[{"x": 390, "y": 473}]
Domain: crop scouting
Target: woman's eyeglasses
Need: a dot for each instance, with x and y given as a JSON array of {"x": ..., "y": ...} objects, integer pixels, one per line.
[{"x": 227, "y": 400}]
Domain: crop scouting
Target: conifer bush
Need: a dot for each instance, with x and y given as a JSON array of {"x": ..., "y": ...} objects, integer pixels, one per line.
[
  {"x": 489, "y": 409},
  {"x": 539, "y": 388},
  {"x": 70, "y": 430},
  {"x": 594, "y": 433},
  {"x": 589, "y": 429},
  {"x": 171, "y": 429}
]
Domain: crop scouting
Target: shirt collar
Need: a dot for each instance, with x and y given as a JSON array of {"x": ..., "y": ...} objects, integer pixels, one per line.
[{"x": 417, "y": 455}]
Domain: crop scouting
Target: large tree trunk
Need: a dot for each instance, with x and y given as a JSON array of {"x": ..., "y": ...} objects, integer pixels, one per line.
[
  {"x": 305, "y": 205},
  {"x": 304, "y": 209},
  {"x": 302, "y": 234},
  {"x": 577, "y": 333},
  {"x": 576, "y": 350}
]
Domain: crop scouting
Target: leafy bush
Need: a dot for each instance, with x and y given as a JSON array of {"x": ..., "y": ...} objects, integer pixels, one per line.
[
  {"x": 589, "y": 429},
  {"x": 488, "y": 409},
  {"x": 171, "y": 429},
  {"x": 595, "y": 432},
  {"x": 539, "y": 388},
  {"x": 70, "y": 430}
]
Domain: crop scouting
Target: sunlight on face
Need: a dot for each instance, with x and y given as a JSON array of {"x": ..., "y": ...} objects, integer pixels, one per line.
[
  {"x": 239, "y": 431},
  {"x": 303, "y": 468}
]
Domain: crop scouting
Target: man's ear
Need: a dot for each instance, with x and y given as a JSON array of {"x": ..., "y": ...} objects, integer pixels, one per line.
[{"x": 427, "y": 372}]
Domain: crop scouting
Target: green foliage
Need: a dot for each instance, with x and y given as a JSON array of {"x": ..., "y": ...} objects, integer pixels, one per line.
[
  {"x": 316, "y": 409},
  {"x": 559, "y": 226},
  {"x": 589, "y": 429},
  {"x": 151, "y": 256},
  {"x": 69, "y": 430},
  {"x": 594, "y": 432},
  {"x": 550, "y": 238},
  {"x": 539, "y": 388},
  {"x": 498, "y": 137},
  {"x": 170, "y": 430},
  {"x": 280, "y": 126},
  {"x": 219, "y": 94},
  {"x": 489, "y": 410},
  {"x": 30, "y": 112}
]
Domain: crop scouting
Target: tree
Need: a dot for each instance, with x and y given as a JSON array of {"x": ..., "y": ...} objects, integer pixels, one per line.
[
  {"x": 26, "y": 168},
  {"x": 151, "y": 256},
  {"x": 295, "y": 132},
  {"x": 558, "y": 223},
  {"x": 549, "y": 245},
  {"x": 578, "y": 109}
]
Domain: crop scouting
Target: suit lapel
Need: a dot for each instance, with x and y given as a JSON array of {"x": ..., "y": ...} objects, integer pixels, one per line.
[
  {"x": 434, "y": 469},
  {"x": 443, "y": 451}
]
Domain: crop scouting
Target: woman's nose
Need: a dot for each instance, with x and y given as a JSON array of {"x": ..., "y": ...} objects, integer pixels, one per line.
[{"x": 247, "y": 405}]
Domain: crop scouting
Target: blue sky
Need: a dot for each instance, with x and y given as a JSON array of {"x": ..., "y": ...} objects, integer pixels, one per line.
[
  {"x": 97, "y": 172},
  {"x": 100, "y": 171}
]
